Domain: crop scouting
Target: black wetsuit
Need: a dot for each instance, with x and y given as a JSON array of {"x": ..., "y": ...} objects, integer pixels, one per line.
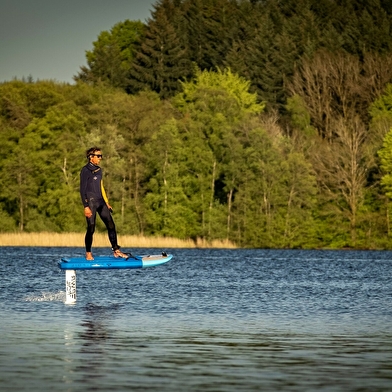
[{"x": 91, "y": 194}]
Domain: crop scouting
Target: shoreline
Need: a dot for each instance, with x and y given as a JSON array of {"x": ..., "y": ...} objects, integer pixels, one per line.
[{"x": 46, "y": 239}]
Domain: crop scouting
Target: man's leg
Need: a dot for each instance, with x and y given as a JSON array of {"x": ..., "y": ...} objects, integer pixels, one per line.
[
  {"x": 107, "y": 219},
  {"x": 88, "y": 239}
]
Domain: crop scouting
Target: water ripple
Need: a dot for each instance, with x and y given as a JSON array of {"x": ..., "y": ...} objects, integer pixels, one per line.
[{"x": 210, "y": 320}]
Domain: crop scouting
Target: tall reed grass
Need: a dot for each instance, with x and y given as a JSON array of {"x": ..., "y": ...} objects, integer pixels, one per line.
[{"x": 101, "y": 240}]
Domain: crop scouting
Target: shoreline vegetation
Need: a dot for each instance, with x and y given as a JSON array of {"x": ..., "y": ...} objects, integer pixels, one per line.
[
  {"x": 46, "y": 239},
  {"x": 236, "y": 128}
]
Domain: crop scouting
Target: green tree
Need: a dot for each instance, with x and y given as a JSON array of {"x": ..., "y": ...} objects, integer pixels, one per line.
[
  {"x": 145, "y": 115},
  {"x": 386, "y": 163},
  {"x": 381, "y": 113},
  {"x": 54, "y": 161},
  {"x": 216, "y": 103},
  {"x": 275, "y": 201},
  {"x": 19, "y": 181},
  {"x": 237, "y": 88},
  {"x": 20, "y": 104},
  {"x": 386, "y": 180},
  {"x": 112, "y": 55},
  {"x": 170, "y": 209}
]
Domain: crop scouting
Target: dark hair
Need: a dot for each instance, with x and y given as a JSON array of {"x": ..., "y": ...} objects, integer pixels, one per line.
[{"x": 91, "y": 151}]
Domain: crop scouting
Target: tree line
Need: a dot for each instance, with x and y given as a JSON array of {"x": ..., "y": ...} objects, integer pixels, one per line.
[{"x": 263, "y": 122}]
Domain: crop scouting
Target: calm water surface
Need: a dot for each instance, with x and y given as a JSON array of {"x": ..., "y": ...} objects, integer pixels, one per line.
[{"x": 209, "y": 320}]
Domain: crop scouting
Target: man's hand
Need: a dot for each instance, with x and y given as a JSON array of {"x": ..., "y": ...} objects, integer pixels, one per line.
[{"x": 87, "y": 212}]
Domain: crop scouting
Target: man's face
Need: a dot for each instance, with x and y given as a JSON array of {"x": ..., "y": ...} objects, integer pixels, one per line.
[{"x": 95, "y": 158}]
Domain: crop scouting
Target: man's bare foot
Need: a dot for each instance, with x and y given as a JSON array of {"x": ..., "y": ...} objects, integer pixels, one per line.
[
  {"x": 118, "y": 253},
  {"x": 89, "y": 256}
]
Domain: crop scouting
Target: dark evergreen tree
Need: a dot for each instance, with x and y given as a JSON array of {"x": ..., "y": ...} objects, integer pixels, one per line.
[
  {"x": 161, "y": 61},
  {"x": 105, "y": 68},
  {"x": 266, "y": 58},
  {"x": 209, "y": 28}
]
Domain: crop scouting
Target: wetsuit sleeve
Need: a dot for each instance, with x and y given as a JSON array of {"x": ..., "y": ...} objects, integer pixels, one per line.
[
  {"x": 104, "y": 193},
  {"x": 84, "y": 174}
]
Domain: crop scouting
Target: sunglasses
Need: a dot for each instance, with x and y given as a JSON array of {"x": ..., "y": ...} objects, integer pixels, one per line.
[{"x": 96, "y": 155}]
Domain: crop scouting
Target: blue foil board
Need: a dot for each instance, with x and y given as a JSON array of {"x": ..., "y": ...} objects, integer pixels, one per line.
[{"x": 111, "y": 262}]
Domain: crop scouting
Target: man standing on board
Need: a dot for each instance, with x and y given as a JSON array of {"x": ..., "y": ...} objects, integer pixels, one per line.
[{"x": 94, "y": 200}]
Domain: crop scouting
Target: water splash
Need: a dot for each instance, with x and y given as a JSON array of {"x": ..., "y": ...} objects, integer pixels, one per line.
[{"x": 46, "y": 297}]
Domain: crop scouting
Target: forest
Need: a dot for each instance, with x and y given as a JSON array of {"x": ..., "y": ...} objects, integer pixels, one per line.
[{"x": 267, "y": 123}]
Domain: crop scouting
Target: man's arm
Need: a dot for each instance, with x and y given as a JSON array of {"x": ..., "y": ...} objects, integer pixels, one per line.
[{"x": 84, "y": 174}]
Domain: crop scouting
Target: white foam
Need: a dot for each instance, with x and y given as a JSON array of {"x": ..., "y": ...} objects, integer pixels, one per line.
[{"x": 46, "y": 297}]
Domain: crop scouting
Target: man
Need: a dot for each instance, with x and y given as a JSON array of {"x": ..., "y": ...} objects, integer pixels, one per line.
[{"x": 94, "y": 200}]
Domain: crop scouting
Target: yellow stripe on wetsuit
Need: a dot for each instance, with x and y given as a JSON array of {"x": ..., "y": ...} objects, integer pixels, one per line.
[{"x": 104, "y": 193}]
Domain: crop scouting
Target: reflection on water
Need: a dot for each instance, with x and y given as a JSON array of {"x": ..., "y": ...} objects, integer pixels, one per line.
[
  {"x": 219, "y": 359},
  {"x": 209, "y": 321},
  {"x": 94, "y": 324},
  {"x": 93, "y": 340}
]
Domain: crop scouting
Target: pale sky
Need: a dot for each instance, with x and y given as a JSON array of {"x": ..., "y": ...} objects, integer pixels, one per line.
[{"x": 47, "y": 39}]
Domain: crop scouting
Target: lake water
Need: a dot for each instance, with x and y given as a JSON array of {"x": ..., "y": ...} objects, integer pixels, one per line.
[{"x": 209, "y": 320}]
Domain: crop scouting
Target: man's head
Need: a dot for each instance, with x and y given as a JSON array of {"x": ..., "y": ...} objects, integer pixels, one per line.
[{"x": 94, "y": 155}]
